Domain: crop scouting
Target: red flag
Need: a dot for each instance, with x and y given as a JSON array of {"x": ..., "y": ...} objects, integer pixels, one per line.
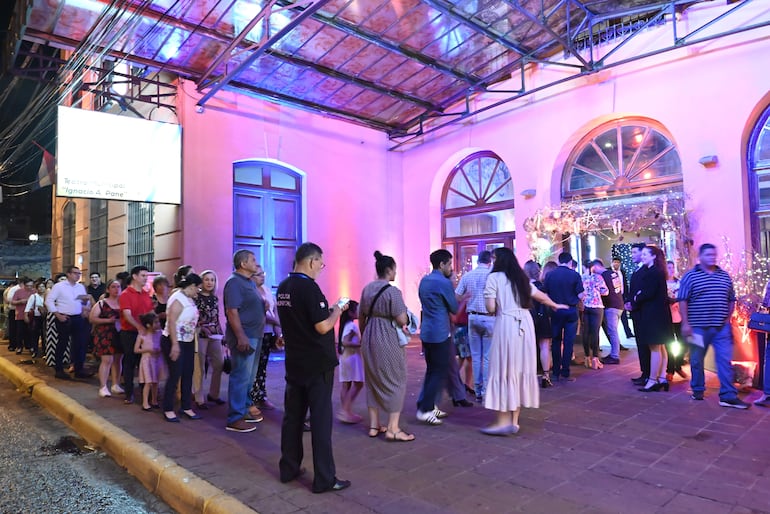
[{"x": 47, "y": 171}]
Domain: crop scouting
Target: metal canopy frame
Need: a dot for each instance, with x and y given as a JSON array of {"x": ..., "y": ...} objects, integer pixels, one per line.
[
  {"x": 437, "y": 78},
  {"x": 592, "y": 64}
]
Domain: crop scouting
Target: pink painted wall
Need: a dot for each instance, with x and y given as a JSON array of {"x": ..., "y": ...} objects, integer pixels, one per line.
[
  {"x": 353, "y": 195},
  {"x": 704, "y": 95}
]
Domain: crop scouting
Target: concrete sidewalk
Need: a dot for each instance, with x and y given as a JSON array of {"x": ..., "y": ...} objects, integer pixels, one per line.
[{"x": 596, "y": 445}]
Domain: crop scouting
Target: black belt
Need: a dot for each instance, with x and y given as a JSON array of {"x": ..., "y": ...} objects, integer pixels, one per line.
[{"x": 480, "y": 313}]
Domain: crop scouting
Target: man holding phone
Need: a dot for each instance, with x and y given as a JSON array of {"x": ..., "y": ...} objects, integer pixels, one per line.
[
  {"x": 308, "y": 324},
  {"x": 245, "y": 312}
]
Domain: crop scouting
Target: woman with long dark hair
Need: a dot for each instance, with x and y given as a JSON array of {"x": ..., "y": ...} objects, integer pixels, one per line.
[
  {"x": 512, "y": 358},
  {"x": 654, "y": 327}
]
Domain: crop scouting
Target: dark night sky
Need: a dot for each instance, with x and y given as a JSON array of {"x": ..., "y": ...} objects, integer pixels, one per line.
[{"x": 30, "y": 212}]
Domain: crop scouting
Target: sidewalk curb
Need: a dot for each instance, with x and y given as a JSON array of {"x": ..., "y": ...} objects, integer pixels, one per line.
[{"x": 181, "y": 489}]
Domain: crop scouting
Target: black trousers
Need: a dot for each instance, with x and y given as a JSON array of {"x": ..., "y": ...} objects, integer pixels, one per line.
[
  {"x": 11, "y": 335},
  {"x": 644, "y": 355},
  {"x": 182, "y": 368},
  {"x": 436, "y": 373},
  {"x": 314, "y": 393},
  {"x": 74, "y": 329},
  {"x": 130, "y": 360}
]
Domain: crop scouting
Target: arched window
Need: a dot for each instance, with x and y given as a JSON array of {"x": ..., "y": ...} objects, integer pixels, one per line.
[
  {"x": 759, "y": 180},
  {"x": 477, "y": 208},
  {"x": 632, "y": 158},
  {"x": 267, "y": 214},
  {"x": 624, "y": 156},
  {"x": 68, "y": 235}
]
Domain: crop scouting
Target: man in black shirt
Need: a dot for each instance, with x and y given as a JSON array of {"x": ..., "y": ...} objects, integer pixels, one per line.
[
  {"x": 563, "y": 285},
  {"x": 308, "y": 331},
  {"x": 96, "y": 288}
]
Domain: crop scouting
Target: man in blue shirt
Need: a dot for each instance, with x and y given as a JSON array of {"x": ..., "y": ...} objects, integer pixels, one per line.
[{"x": 438, "y": 301}]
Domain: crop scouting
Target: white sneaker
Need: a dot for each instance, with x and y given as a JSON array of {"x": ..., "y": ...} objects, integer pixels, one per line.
[
  {"x": 440, "y": 414},
  {"x": 117, "y": 389},
  {"x": 763, "y": 401},
  {"x": 428, "y": 417},
  {"x": 104, "y": 392}
]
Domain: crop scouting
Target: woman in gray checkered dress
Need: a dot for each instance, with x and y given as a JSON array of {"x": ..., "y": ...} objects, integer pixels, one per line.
[{"x": 384, "y": 357}]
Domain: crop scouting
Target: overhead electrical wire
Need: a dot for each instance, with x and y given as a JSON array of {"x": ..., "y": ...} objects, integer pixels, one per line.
[{"x": 93, "y": 47}]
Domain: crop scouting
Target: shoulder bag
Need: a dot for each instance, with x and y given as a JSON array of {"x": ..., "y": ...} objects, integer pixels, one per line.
[{"x": 760, "y": 321}]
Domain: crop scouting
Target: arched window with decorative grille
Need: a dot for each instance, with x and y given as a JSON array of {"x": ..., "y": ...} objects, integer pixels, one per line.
[
  {"x": 622, "y": 157},
  {"x": 68, "y": 235},
  {"x": 624, "y": 173},
  {"x": 477, "y": 208},
  {"x": 759, "y": 181}
]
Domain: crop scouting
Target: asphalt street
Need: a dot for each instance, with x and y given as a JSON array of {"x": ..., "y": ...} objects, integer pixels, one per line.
[{"x": 45, "y": 467}]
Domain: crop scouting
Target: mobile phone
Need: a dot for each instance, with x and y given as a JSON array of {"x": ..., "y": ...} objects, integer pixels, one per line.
[{"x": 342, "y": 302}]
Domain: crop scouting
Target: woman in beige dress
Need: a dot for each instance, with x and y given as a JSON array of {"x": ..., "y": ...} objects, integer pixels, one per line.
[
  {"x": 512, "y": 380},
  {"x": 384, "y": 357}
]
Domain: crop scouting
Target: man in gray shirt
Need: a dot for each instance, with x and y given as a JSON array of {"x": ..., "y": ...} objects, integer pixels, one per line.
[{"x": 245, "y": 311}]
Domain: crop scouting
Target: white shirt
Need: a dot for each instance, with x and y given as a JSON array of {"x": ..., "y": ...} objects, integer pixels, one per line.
[
  {"x": 187, "y": 320},
  {"x": 35, "y": 303},
  {"x": 63, "y": 298}
]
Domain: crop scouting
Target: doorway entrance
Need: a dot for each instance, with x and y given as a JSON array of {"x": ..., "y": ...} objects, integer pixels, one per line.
[{"x": 267, "y": 215}]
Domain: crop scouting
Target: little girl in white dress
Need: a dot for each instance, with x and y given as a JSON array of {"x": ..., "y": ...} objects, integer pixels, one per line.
[{"x": 351, "y": 364}]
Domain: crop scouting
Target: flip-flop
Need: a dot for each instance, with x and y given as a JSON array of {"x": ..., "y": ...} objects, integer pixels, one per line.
[
  {"x": 408, "y": 438},
  {"x": 374, "y": 431}
]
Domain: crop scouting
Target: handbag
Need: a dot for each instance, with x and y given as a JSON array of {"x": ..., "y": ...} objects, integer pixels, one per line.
[
  {"x": 760, "y": 321},
  {"x": 402, "y": 339}
]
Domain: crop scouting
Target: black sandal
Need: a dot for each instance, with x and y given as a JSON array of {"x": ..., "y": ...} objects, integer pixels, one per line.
[{"x": 374, "y": 431}]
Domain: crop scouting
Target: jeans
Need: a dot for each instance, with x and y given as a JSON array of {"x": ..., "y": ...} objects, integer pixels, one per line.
[
  {"x": 480, "y": 341},
  {"x": 593, "y": 321},
  {"x": 610, "y": 325},
  {"x": 242, "y": 375},
  {"x": 564, "y": 325},
  {"x": 437, "y": 367},
  {"x": 624, "y": 320},
  {"x": 721, "y": 338},
  {"x": 182, "y": 368},
  {"x": 75, "y": 327}
]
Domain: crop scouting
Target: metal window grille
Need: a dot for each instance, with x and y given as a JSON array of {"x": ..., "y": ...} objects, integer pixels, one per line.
[
  {"x": 68, "y": 235},
  {"x": 98, "y": 234},
  {"x": 141, "y": 235}
]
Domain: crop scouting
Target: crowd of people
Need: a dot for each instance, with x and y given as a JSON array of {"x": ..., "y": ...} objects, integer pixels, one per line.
[{"x": 500, "y": 334}]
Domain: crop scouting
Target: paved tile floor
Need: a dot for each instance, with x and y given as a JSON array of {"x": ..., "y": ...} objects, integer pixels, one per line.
[{"x": 595, "y": 445}]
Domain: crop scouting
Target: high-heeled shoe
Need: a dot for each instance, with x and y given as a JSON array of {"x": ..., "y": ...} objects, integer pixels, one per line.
[
  {"x": 587, "y": 362},
  {"x": 651, "y": 387},
  {"x": 669, "y": 377},
  {"x": 597, "y": 364},
  {"x": 664, "y": 385}
]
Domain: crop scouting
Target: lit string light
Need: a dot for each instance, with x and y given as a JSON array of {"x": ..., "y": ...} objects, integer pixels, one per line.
[{"x": 550, "y": 227}]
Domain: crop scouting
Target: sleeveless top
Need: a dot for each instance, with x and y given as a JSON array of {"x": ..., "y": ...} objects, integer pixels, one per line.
[{"x": 187, "y": 320}]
